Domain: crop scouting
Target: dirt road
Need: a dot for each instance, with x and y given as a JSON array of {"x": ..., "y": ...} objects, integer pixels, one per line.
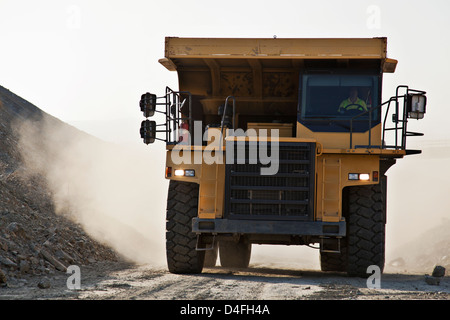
[{"x": 122, "y": 281}]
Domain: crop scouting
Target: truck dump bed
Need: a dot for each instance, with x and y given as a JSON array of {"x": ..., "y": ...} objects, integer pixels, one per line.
[
  {"x": 263, "y": 74},
  {"x": 179, "y": 52}
]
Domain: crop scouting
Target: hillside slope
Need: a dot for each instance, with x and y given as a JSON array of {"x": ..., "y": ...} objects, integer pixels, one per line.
[{"x": 34, "y": 240}]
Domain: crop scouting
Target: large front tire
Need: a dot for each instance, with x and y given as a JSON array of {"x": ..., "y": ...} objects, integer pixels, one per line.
[
  {"x": 365, "y": 229},
  {"x": 182, "y": 204}
]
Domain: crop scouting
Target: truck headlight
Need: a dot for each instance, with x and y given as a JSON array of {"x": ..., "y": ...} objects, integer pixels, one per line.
[
  {"x": 148, "y": 104},
  {"x": 364, "y": 176},
  {"x": 179, "y": 172},
  {"x": 184, "y": 173},
  {"x": 359, "y": 176},
  {"x": 416, "y": 106}
]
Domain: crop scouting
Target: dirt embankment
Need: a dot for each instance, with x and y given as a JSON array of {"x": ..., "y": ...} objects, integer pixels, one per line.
[{"x": 34, "y": 240}]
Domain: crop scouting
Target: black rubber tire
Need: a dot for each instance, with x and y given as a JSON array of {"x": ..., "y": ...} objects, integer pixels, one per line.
[
  {"x": 365, "y": 229},
  {"x": 235, "y": 255},
  {"x": 331, "y": 261},
  {"x": 182, "y": 204}
]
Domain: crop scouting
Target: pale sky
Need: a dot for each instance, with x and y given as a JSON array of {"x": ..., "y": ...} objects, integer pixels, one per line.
[{"x": 88, "y": 62}]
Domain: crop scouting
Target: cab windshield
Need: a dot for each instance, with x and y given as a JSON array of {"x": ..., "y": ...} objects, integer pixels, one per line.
[{"x": 338, "y": 98}]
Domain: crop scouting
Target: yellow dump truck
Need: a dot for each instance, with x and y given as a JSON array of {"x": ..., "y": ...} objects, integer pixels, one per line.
[{"x": 278, "y": 141}]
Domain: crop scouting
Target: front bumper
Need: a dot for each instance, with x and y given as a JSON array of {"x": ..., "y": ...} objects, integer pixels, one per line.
[{"x": 295, "y": 228}]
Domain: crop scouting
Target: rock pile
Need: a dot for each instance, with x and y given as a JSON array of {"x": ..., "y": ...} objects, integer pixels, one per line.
[{"x": 34, "y": 240}]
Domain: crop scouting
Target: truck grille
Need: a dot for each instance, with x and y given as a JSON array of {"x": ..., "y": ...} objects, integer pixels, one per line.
[{"x": 287, "y": 195}]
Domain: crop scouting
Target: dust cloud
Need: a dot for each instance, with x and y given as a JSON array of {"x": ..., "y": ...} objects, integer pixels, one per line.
[
  {"x": 418, "y": 222},
  {"x": 117, "y": 193}
]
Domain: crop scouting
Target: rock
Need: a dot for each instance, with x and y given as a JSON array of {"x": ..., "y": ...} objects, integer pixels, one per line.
[
  {"x": 61, "y": 254},
  {"x": 439, "y": 271},
  {"x": 434, "y": 281},
  {"x": 3, "y": 244},
  {"x": 12, "y": 246},
  {"x": 53, "y": 261},
  {"x": 48, "y": 244},
  {"x": 44, "y": 283},
  {"x": 7, "y": 262},
  {"x": 24, "y": 266},
  {"x": 17, "y": 229},
  {"x": 3, "y": 279}
]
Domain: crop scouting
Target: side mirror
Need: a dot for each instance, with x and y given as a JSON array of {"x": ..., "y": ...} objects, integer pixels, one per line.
[
  {"x": 148, "y": 104},
  {"x": 148, "y": 131},
  {"x": 416, "y": 106}
]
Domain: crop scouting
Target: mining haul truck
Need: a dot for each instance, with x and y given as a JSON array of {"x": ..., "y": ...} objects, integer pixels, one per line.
[{"x": 278, "y": 141}]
